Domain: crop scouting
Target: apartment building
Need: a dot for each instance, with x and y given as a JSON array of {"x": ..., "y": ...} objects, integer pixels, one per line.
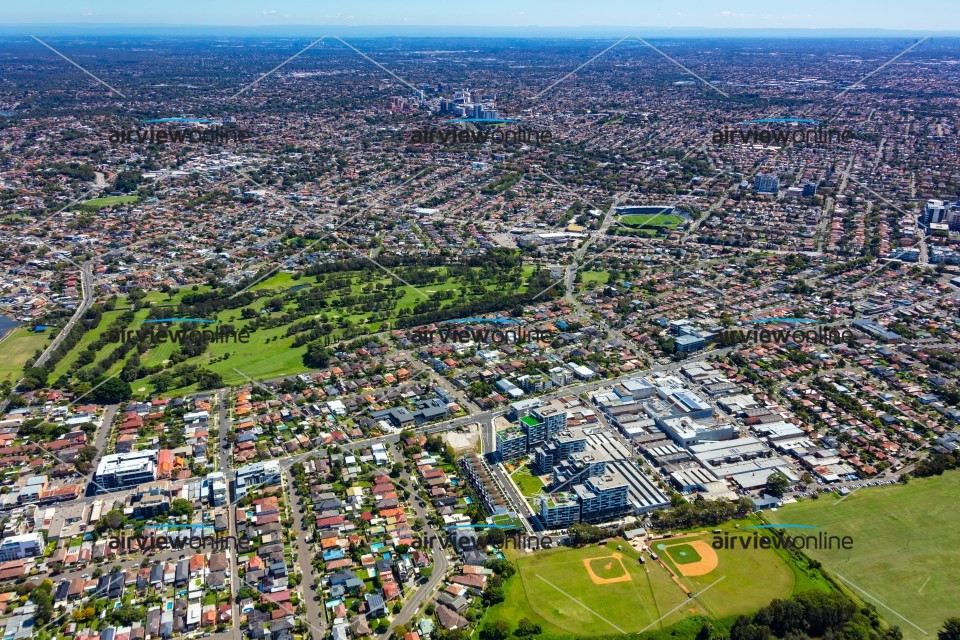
[
  {"x": 603, "y": 498},
  {"x": 559, "y": 510},
  {"x": 125, "y": 470},
  {"x": 28, "y": 545},
  {"x": 254, "y": 475},
  {"x": 551, "y": 453},
  {"x": 482, "y": 482}
]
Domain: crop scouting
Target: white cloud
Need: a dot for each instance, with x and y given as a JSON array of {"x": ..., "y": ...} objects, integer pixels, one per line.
[{"x": 268, "y": 12}]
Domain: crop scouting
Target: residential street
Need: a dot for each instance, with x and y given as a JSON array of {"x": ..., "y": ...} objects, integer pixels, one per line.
[
  {"x": 440, "y": 562},
  {"x": 315, "y": 619}
]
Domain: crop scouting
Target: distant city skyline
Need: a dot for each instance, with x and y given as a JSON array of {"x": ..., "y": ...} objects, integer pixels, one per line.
[{"x": 937, "y": 15}]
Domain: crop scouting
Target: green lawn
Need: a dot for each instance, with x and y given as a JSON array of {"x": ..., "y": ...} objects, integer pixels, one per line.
[
  {"x": 650, "y": 220},
  {"x": 18, "y": 346},
  {"x": 905, "y": 555},
  {"x": 683, "y": 554},
  {"x": 529, "y": 484},
  {"x": 588, "y": 277},
  {"x": 99, "y": 203}
]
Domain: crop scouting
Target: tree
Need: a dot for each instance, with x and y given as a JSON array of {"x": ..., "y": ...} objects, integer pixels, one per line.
[
  {"x": 112, "y": 391},
  {"x": 581, "y": 534},
  {"x": 127, "y": 181},
  {"x": 162, "y": 382},
  {"x": 499, "y": 630},
  {"x": 42, "y": 596},
  {"x": 951, "y": 630},
  {"x": 777, "y": 484},
  {"x": 526, "y": 628},
  {"x": 706, "y": 632},
  {"x": 492, "y": 595},
  {"x": 83, "y": 458},
  {"x": 496, "y": 537},
  {"x": 181, "y": 508},
  {"x": 113, "y": 519}
]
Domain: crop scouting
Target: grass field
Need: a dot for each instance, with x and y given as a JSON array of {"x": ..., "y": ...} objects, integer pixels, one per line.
[
  {"x": 554, "y": 588},
  {"x": 744, "y": 579},
  {"x": 683, "y": 554},
  {"x": 18, "y": 346},
  {"x": 650, "y": 220},
  {"x": 589, "y": 277},
  {"x": 99, "y": 203},
  {"x": 529, "y": 484},
  {"x": 906, "y": 548}
]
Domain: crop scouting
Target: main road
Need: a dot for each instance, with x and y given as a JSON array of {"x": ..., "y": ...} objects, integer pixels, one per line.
[{"x": 86, "y": 285}]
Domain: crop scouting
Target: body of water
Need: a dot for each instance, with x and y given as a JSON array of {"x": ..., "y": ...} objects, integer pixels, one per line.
[
  {"x": 165, "y": 120},
  {"x": 7, "y": 324}
]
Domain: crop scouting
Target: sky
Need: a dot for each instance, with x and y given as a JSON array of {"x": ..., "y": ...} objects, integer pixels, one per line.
[{"x": 765, "y": 14}]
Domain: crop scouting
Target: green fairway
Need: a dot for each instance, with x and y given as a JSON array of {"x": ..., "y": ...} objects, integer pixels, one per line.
[
  {"x": 99, "y": 203},
  {"x": 356, "y": 303},
  {"x": 18, "y": 346},
  {"x": 88, "y": 338},
  {"x": 650, "y": 220},
  {"x": 683, "y": 554},
  {"x": 906, "y": 548}
]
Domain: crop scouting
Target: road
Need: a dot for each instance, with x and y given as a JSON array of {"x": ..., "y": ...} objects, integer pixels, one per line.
[
  {"x": 103, "y": 435},
  {"x": 440, "y": 562},
  {"x": 223, "y": 427},
  {"x": 223, "y": 458},
  {"x": 86, "y": 285},
  {"x": 305, "y": 552}
]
